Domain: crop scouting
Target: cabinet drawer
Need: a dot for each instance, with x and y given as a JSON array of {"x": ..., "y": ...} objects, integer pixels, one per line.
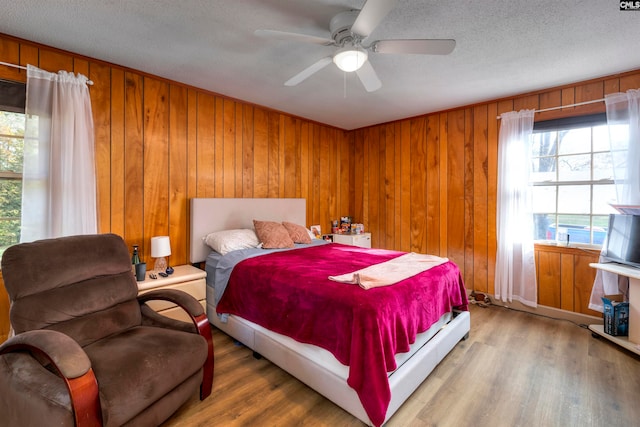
[
  {"x": 362, "y": 240},
  {"x": 179, "y": 314},
  {"x": 195, "y": 288}
]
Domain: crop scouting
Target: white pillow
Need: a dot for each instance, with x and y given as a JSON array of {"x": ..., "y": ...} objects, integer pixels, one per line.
[{"x": 231, "y": 240}]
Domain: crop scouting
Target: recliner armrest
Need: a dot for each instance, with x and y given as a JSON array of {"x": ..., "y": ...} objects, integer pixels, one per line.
[
  {"x": 71, "y": 362},
  {"x": 63, "y": 351},
  {"x": 181, "y": 298},
  {"x": 200, "y": 322}
]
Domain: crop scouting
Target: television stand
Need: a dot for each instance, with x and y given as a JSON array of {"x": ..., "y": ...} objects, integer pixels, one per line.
[{"x": 631, "y": 343}]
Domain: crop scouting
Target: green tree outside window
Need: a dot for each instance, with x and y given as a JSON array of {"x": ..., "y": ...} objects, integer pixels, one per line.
[{"x": 11, "y": 158}]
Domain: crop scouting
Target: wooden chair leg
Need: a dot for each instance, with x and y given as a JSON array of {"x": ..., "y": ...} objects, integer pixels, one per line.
[
  {"x": 85, "y": 400},
  {"x": 204, "y": 329}
]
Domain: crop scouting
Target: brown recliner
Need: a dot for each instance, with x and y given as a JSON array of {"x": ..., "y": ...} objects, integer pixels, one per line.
[{"x": 87, "y": 349}]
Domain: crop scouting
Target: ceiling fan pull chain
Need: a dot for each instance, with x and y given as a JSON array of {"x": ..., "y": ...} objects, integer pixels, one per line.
[{"x": 344, "y": 84}]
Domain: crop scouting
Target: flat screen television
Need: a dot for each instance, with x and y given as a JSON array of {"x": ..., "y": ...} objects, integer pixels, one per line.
[{"x": 623, "y": 240}]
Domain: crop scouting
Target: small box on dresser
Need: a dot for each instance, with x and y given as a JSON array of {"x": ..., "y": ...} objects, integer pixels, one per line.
[{"x": 186, "y": 278}]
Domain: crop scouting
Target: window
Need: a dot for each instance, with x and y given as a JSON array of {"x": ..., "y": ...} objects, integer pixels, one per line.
[
  {"x": 12, "y": 123},
  {"x": 572, "y": 179}
]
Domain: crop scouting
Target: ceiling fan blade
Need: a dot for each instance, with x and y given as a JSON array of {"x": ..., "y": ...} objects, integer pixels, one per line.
[
  {"x": 283, "y": 35},
  {"x": 368, "y": 77},
  {"x": 309, "y": 71},
  {"x": 370, "y": 16},
  {"x": 423, "y": 47}
]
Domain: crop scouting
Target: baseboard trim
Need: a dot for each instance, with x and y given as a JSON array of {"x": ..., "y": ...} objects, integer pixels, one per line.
[{"x": 542, "y": 310}]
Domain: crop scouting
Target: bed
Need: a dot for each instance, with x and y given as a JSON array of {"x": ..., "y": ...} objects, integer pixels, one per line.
[{"x": 342, "y": 365}]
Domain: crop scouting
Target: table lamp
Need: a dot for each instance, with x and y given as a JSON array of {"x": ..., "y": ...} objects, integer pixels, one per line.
[{"x": 160, "y": 248}]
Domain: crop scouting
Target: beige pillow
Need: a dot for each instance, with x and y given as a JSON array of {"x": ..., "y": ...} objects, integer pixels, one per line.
[
  {"x": 298, "y": 233},
  {"x": 272, "y": 234}
]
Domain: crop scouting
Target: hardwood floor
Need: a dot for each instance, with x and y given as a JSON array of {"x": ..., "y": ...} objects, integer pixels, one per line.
[{"x": 516, "y": 369}]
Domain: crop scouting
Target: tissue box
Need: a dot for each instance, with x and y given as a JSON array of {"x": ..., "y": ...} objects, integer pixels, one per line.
[{"x": 616, "y": 315}]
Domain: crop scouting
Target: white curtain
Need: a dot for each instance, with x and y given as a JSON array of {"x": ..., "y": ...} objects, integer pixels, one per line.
[
  {"x": 59, "y": 183},
  {"x": 623, "y": 120},
  {"x": 515, "y": 262}
]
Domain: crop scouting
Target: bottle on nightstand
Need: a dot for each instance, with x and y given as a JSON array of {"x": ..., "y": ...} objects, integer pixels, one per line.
[{"x": 135, "y": 258}]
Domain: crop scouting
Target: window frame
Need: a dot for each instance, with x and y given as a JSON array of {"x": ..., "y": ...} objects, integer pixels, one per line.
[{"x": 564, "y": 124}]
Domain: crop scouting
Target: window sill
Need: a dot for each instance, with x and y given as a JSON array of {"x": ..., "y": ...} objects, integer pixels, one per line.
[{"x": 552, "y": 246}]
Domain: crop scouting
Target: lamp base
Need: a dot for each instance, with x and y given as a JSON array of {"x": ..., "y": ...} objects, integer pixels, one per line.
[{"x": 160, "y": 265}]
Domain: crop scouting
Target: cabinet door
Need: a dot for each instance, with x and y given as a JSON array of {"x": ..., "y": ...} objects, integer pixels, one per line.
[{"x": 343, "y": 239}]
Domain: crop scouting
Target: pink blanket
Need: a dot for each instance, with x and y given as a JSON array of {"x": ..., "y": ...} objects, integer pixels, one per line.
[{"x": 290, "y": 293}]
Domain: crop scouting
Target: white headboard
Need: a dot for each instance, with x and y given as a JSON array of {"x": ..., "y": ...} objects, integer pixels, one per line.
[{"x": 209, "y": 215}]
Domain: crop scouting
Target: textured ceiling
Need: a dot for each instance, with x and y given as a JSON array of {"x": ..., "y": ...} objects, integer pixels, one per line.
[{"x": 504, "y": 48}]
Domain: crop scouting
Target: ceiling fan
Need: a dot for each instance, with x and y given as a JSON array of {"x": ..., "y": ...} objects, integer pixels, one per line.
[{"x": 349, "y": 33}]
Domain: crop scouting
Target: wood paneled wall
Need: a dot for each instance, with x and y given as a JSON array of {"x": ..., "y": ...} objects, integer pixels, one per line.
[
  {"x": 159, "y": 143},
  {"x": 424, "y": 184},
  {"x": 428, "y": 183}
]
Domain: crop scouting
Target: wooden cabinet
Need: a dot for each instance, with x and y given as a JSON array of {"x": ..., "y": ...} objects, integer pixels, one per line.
[
  {"x": 363, "y": 240},
  {"x": 186, "y": 278},
  {"x": 564, "y": 277}
]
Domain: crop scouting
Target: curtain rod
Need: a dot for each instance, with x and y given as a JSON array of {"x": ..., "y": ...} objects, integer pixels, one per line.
[
  {"x": 89, "y": 82},
  {"x": 567, "y": 106}
]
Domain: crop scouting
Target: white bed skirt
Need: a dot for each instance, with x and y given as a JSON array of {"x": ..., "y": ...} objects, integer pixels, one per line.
[{"x": 321, "y": 371}]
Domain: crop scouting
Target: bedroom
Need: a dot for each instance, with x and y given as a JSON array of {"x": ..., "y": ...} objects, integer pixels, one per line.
[{"x": 161, "y": 143}]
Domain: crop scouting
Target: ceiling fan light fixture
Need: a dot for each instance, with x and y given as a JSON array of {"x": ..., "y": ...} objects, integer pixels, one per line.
[{"x": 350, "y": 59}]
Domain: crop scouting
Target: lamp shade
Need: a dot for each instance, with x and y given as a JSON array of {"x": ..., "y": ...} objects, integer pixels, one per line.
[
  {"x": 160, "y": 246},
  {"x": 350, "y": 59}
]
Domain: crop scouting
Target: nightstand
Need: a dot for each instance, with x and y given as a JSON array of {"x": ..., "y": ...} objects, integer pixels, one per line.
[
  {"x": 363, "y": 240},
  {"x": 186, "y": 278}
]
